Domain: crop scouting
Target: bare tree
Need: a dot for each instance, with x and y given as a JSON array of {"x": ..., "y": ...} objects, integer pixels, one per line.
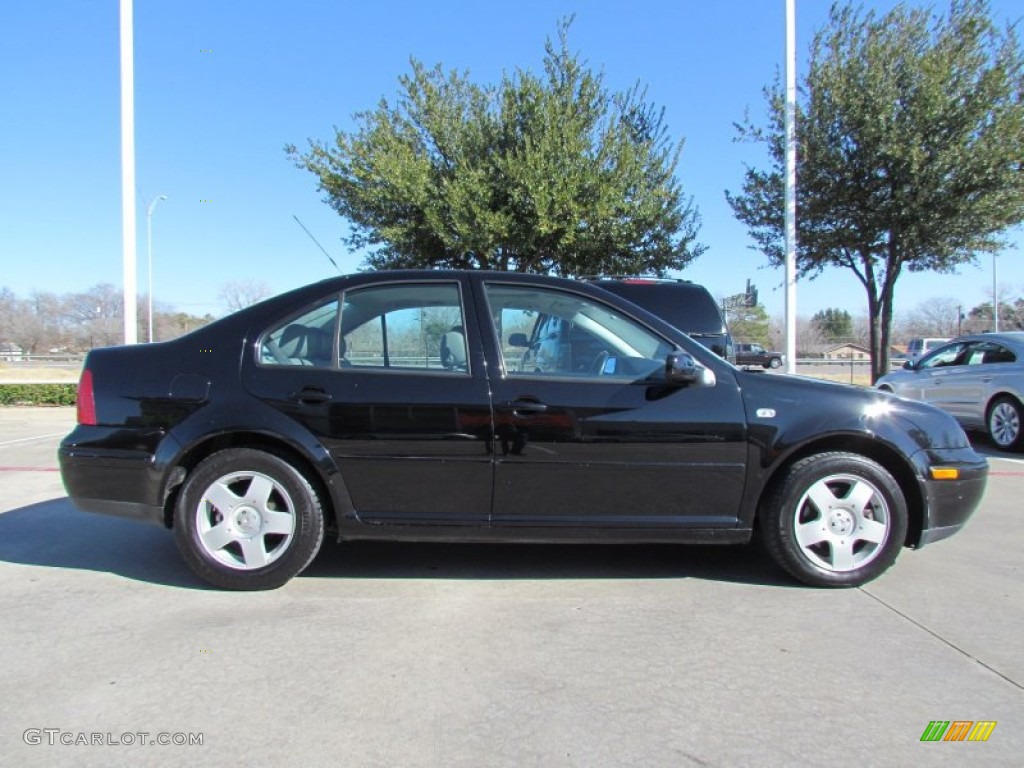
[{"x": 239, "y": 294}]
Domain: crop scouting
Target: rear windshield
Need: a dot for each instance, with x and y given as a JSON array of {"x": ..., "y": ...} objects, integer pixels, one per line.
[{"x": 689, "y": 308}]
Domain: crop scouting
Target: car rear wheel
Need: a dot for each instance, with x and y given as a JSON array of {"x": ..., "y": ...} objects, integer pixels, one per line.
[
  {"x": 1004, "y": 417},
  {"x": 835, "y": 520},
  {"x": 247, "y": 520}
]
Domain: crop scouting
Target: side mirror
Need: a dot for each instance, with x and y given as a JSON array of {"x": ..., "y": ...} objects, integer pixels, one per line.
[
  {"x": 909, "y": 365},
  {"x": 681, "y": 368},
  {"x": 518, "y": 340}
]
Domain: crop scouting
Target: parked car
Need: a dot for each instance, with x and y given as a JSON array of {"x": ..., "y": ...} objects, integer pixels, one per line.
[
  {"x": 686, "y": 305},
  {"x": 330, "y": 410},
  {"x": 978, "y": 378},
  {"x": 755, "y": 354},
  {"x": 918, "y": 348}
]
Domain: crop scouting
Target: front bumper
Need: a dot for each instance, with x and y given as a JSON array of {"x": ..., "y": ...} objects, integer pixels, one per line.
[{"x": 949, "y": 504}]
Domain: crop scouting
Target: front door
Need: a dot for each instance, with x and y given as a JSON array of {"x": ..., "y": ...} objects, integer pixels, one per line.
[{"x": 588, "y": 431}]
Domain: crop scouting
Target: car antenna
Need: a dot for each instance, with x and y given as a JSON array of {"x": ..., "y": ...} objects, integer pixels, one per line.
[{"x": 317, "y": 244}]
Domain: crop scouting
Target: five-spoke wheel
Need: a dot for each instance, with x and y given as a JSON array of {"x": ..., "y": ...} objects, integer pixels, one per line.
[
  {"x": 836, "y": 519},
  {"x": 247, "y": 519}
]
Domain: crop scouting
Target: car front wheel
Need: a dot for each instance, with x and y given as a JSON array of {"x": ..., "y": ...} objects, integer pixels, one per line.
[
  {"x": 774, "y": 362},
  {"x": 835, "y": 520},
  {"x": 247, "y": 520},
  {"x": 1004, "y": 417}
]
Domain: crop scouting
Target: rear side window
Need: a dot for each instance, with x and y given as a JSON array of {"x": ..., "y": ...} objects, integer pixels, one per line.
[
  {"x": 304, "y": 340},
  {"x": 404, "y": 327}
]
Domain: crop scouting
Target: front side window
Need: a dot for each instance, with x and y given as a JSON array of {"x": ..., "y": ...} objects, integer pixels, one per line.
[
  {"x": 554, "y": 333},
  {"x": 407, "y": 326},
  {"x": 951, "y": 354}
]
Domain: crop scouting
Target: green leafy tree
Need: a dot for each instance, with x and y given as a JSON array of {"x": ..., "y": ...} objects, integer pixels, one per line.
[
  {"x": 909, "y": 132},
  {"x": 750, "y": 325},
  {"x": 834, "y": 323},
  {"x": 550, "y": 173}
]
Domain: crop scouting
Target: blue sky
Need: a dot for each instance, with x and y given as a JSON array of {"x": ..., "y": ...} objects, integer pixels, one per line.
[{"x": 221, "y": 87}]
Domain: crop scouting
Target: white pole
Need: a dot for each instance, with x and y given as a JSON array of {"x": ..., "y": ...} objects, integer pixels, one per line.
[
  {"x": 149, "y": 260},
  {"x": 790, "y": 186},
  {"x": 128, "y": 234},
  {"x": 995, "y": 298}
]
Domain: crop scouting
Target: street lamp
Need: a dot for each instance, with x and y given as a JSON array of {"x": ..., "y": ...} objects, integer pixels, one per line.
[
  {"x": 149, "y": 271},
  {"x": 995, "y": 298}
]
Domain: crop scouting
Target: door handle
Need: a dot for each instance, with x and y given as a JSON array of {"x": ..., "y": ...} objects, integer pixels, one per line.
[
  {"x": 521, "y": 407},
  {"x": 310, "y": 396}
]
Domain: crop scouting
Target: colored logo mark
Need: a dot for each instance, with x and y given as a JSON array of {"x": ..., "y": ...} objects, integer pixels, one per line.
[{"x": 958, "y": 730}]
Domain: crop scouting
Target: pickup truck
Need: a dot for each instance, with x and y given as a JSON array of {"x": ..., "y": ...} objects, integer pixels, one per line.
[{"x": 755, "y": 354}]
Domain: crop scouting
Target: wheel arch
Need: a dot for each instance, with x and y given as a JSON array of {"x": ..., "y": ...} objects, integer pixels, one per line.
[
  {"x": 277, "y": 446},
  {"x": 872, "y": 448}
]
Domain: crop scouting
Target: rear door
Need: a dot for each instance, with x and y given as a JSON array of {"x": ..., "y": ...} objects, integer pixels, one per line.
[
  {"x": 407, "y": 422},
  {"x": 588, "y": 432}
]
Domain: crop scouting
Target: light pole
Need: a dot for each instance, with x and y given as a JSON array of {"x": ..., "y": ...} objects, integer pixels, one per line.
[
  {"x": 149, "y": 249},
  {"x": 995, "y": 298}
]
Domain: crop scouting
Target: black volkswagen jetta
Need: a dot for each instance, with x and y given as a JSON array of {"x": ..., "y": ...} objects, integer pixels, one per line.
[{"x": 481, "y": 406}]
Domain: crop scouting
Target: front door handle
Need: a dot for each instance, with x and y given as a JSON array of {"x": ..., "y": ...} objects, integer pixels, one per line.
[
  {"x": 310, "y": 396},
  {"x": 526, "y": 407}
]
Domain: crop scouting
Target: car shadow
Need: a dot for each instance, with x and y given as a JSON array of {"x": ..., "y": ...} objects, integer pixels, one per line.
[
  {"x": 53, "y": 534},
  {"x": 747, "y": 564}
]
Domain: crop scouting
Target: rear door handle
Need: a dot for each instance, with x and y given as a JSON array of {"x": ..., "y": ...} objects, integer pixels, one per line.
[{"x": 310, "y": 396}]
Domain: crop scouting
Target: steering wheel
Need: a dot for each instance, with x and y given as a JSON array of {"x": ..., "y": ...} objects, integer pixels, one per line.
[{"x": 597, "y": 367}]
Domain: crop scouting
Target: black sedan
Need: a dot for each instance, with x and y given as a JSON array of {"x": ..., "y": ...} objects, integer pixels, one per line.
[{"x": 482, "y": 406}]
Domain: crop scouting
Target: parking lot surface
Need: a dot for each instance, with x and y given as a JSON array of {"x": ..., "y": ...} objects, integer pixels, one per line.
[{"x": 467, "y": 655}]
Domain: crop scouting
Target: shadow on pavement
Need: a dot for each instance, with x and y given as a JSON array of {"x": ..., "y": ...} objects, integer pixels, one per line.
[
  {"x": 402, "y": 560},
  {"x": 53, "y": 534}
]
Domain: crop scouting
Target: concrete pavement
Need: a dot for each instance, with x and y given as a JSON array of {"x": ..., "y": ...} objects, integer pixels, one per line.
[{"x": 441, "y": 655}]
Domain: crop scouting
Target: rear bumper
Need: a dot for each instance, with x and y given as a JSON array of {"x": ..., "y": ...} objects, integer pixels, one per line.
[
  {"x": 949, "y": 504},
  {"x": 115, "y": 471}
]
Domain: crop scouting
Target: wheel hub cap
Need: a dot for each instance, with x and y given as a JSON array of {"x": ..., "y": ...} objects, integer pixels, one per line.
[
  {"x": 840, "y": 522},
  {"x": 248, "y": 520}
]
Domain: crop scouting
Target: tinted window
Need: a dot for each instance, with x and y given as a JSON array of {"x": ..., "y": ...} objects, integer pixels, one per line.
[
  {"x": 304, "y": 340},
  {"x": 407, "y": 326},
  {"x": 571, "y": 335},
  {"x": 690, "y": 308}
]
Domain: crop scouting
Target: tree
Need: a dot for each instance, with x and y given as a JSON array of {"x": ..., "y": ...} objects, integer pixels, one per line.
[
  {"x": 909, "y": 133},
  {"x": 835, "y": 324},
  {"x": 239, "y": 294},
  {"x": 549, "y": 173},
  {"x": 750, "y": 325}
]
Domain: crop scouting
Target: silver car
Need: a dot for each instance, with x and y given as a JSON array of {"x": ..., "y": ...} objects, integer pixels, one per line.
[{"x": 979, "y": 379}]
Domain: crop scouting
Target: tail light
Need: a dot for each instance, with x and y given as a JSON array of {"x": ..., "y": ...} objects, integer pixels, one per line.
[{"x": 86, "y": 399}]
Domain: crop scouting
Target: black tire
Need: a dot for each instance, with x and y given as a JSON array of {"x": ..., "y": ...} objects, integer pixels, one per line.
[
  {"x": 247, "y": 520},
  {"x": 1003, "y": 422},
  {"x": 774, "y": 362},
  {"x": 854, "y": 540}
]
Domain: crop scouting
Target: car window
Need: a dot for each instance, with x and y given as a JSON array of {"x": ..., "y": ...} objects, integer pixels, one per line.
[
  {"x": 555, "y": 333},
  {"x": 304, "y": 340},
  {"x": 996, "y": 353},
  {"x": 404, "y": 327},
  {"x": 951, "y": 354}
]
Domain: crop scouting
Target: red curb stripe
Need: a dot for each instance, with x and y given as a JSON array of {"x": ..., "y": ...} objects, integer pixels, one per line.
[
  {"x": 1007, "y": 474},
  {"x": 29, "y": 469}
]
